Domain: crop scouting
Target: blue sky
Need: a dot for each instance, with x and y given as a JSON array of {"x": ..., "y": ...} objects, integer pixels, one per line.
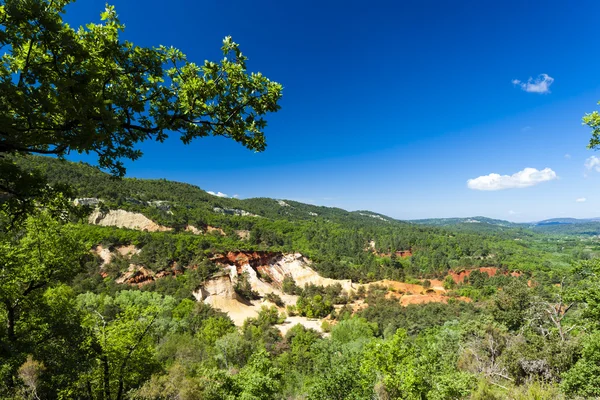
[{"x": 393, "y": 106}]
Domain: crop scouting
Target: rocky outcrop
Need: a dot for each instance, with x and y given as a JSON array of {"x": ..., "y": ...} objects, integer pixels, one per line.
[
  {"x": 107, "y": 254},
  {"x": 376, "y": 216},
  {"x": 234, "y": 211},
  {"x": 125, "y": 219},
  {"x": 265, "y": 272},
  {"x": 459, "y": 277},
  {"x": 243, "y": 234},
  {"x": 214, "y": 229},
  {"x": 87, "y": 201},
  {"x": 276, "y": 266},
  {"x": 104, "y": 253},
  {"x": 399, "y": 253},
  {"x": 193, "y": 229},
  {"x": 297, "y": 266},
  {"x": 136, "y": 275},
  {"x": 241, "y": 258},
  {"x": 220, "y": 286}
]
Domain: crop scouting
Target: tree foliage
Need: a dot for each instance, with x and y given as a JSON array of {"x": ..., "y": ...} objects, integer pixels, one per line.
[{"x": 85, "y": 90}]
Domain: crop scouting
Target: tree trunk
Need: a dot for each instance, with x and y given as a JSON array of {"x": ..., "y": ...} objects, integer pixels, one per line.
[
  {"x": 10, "y": 321},
  {"x": 106, "y": 378}
]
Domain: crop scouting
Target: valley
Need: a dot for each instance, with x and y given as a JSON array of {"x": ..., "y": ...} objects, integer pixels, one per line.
[
  {"x": 419, "y": 222},
  {"x": 225, "y": 279}
]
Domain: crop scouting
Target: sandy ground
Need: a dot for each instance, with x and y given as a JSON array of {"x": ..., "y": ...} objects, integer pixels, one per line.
[
  {"x": 309, "y": 323},
  {"x": 221, "y": 294}
]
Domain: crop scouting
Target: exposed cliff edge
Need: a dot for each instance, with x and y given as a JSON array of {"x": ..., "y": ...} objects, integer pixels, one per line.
[
  {"x": 125, "y": 219},
  {"x": 265, "y": 272}
]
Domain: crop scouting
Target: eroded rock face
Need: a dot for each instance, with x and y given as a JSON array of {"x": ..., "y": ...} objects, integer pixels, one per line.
[
  {"x": 243, "y": 234},
  {"x": 104, "y": 253},
  {"x": 265, "y": 272},
  {"x": 277, "y": 266},
  {"x": 136, "y": 275},
  {"x": 125, "y": 219},
  {"x": 220, "y": 286},
  {"x": 298, "y": 267},
  {"x": 107, "y": 254},
  {"x": 193, "y": 229},
  {"x": 211, "y": 229},
  {"x": 459, "y": 277}
]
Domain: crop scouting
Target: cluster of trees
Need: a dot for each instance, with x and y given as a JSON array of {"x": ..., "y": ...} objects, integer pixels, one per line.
[
  {"x": 67, "y": 332},
  {"x": 318, "y": 301},
  {"x": 59, "y": 341},
  {"x": 338, "y": 241}
]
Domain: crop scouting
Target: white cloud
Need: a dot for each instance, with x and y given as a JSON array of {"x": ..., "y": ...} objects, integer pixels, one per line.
[
  {"x": 539, "y": 85},
  {"x": 236, "y": 196},
  {"x": 581, "y": 200},
  {"x": 568, "y": 156},
  {"x": 218, "y": 194},
  {"x": 593, "y": 163},
  {"x": 527, "y": 177},
  {"x": 512, "y": 212}
]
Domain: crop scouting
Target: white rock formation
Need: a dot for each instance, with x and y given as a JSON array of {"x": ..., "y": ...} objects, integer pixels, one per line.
[
  {"x": 243, "y": 234},
  {"x": 86, "y": 201},
  {"x": 297, "y": 266},
  {"x": 104, "y": 254},
  {"x": 221, "y": 286},
  {"x": 126, "y": 219},
  {"x": 234, "y": 211}
]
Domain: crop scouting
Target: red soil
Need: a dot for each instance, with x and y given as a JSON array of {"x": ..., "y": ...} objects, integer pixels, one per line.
[
  {"x": 459, "y": 277},
  {"x": 255, "y": 259},
  {"x": 409, "y": 293},
  {"x": 400, "y": 253}
]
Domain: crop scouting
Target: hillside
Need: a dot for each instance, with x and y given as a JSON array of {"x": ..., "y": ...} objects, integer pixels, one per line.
[
  {"x": 459, "y": 221},
  {"x": 344, "y": 245},
  {"x": 218, "y": 288},
  {"x": 553, "y": 226}
]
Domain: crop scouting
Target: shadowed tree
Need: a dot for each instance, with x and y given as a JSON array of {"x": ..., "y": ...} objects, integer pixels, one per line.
[{"x": 85, "y": 90}]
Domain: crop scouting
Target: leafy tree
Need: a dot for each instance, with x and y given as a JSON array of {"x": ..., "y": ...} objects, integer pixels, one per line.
[
  {"x": 449, "y": 283},
  {"x": 393, "y": 364},
  {"x": 593, "y": 121},
  {"x": 289, "y": 285},
  {"x": 85, "y": 90},
  {"x": 214, "y": 328},
  {"x": 314, "y": 306},
  {"x": 511, "y": 304},
  {"x": 243, "y": 287},
  {"x": 299, "y": 340},
  {"x": 37, "y": 312},
  {"x": 259, "y": 379},
  {"x": 584, "y": 378},
  {"x": 337, "y": 371},
  {"x": 233, "y": 350},
  {"x": 123, "y": 331},
  {"x": 275, "y": 299},
  {"x": 353, "y": 329}
]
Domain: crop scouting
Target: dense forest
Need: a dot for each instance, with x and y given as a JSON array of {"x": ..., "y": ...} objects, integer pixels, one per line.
[
  {"x": 69, "y": 331},
  {"x": 335, "y": 239},
  {"x": 95, "y": 308}
]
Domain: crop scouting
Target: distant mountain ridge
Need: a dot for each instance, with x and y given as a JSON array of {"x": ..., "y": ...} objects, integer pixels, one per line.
[
  {"x": 175, "y": 204},
  {"x": 469, "y": 220},
  {"x": 563, "y": 221},
  {"x": 558, "y": 226}
]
